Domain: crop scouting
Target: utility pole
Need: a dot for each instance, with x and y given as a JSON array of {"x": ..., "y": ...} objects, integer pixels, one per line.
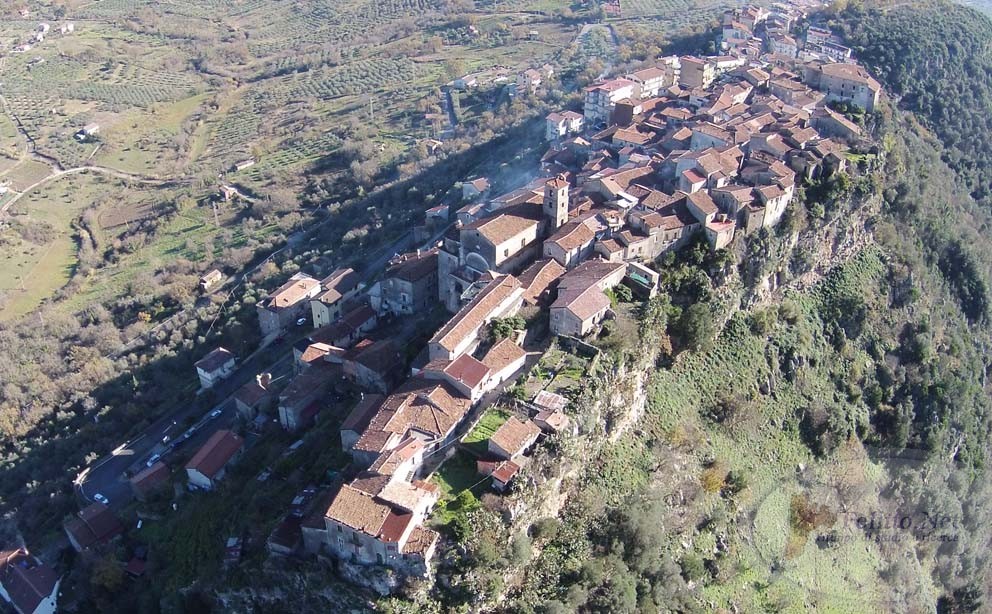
[{"x": 371, "y": 109}]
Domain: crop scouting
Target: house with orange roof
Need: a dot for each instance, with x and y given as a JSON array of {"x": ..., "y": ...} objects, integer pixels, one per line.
[
  {"x": 429, "y": 409},
  {"x": 285, "y": 305},
  {"x": 209, "y": 464},
  {"x": 379, "y": 522},
  {"x": 581, "y": 302},
  {"x": 95, "y": 525},
  {"x": 513, "y": 438},
  {"x": 501, "y": 297},
  {"x": 27, "y": 584},
  {"x": 570, "y": 244}
]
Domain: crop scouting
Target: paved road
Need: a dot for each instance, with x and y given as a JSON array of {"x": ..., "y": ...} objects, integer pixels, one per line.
[{"x": 108, "y": 476}]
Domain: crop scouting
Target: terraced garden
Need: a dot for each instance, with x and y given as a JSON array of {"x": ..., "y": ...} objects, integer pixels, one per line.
[{"x": 673, "y": 15}]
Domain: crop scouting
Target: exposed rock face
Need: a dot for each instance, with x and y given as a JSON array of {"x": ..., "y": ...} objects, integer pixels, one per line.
[{"x": 614, "y": 399}]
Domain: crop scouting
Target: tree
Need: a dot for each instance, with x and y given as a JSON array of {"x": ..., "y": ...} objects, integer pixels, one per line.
[
  {"x": 107, "y": 574},
  {"x": 696, "y": 328}
]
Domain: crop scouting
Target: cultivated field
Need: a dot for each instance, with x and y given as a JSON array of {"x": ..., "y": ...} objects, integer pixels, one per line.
[{"x": 181, "y": 91}]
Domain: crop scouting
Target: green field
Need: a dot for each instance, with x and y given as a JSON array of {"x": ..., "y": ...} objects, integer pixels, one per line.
[
  {"x": 291, "y": 95},
  {"x": 32, "y": 271}
]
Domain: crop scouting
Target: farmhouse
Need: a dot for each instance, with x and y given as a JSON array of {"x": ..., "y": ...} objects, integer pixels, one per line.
[{"x": 209, "y": 281}]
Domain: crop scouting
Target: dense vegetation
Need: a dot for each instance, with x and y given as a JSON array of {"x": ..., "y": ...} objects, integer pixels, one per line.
[{"x": 935, "y": 56}]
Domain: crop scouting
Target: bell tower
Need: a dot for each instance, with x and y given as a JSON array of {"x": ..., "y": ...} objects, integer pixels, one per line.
[{"x": 556, "y": 202}]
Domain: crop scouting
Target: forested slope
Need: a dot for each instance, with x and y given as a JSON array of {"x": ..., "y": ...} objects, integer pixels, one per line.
[{"x": 936, "y": 57}]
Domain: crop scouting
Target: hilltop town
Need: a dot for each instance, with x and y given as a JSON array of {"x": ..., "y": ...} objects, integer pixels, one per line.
[
  {"x": 690, "y": 147},
  {"x": 685, "y": 150}
]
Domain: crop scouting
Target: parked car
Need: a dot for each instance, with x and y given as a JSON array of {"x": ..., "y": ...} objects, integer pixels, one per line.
[
  {"x": 100, "y": 498},
  {"x": 301, "y": 321},
  {"x": 154, "y": 458},
  {"x": 216, "y": 413}
]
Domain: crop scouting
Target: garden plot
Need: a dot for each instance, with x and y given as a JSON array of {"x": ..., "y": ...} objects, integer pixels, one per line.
[{"x": 26, "y": 174}]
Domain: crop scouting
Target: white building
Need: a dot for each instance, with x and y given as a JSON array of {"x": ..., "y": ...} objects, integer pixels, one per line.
[{"x": 601, "y": 98}]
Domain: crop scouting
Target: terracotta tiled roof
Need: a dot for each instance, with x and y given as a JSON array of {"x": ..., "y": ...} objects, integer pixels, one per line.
[
  {"x": 514, "y": 435},
  {"x": 421, "y": 541},
  {"x": 555, "y": 420},
  {"x": 703, "y": 202},
  {"x": 378, "y": 356},
  {"x": 315, "y": 352},
  {"x": 359, "y": 417},
  {"x": 413, "y": 267},
  {"x": 251, "y": 393},
  {"x": 432, "y": 407},
  {"x": 371, "y": 483},
  {"x": 579, "y": 291},
  {"x": 219, "y": 449},
  {"x": 150, "y": 477},
  {"x": 94, "y": 524},
  {"x": 292, "y": 292},
  {"x": 506, "y": 471},
  {"x": 851, "y": 72},
  {"x": 539, "y": 276},
  {"x": 610, "y": 86},
  {"x": 337, "y": 284},
  {"x": 407, "y": 496},
  {"x": 26, "y": 579},
  {"x": 572, "y": 235},
  {"x": 692, "y": 176},
  {"x": 470, "y": 317},
  {"x": 507, "y": 224},
  {"x": 390, "y": 461},
  {"x": 503, "y": 354},
  {"x": 550, "y": 400},
  {"x": 652, "y": 72},
  {"x": 358, "y": 510},
  {"x": 467, "y": 370}
]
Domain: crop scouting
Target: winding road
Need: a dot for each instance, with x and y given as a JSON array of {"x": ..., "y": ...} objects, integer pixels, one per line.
[{"x": 31, "y": 153}]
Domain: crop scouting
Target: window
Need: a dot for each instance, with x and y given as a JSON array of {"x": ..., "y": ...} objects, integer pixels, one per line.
[{"x": 506, "y": 253}]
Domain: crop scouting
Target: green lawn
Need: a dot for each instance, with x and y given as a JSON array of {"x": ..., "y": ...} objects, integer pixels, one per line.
[
  {"x": 32, "y": 272},
  {"x": 457, "y": 474}
]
